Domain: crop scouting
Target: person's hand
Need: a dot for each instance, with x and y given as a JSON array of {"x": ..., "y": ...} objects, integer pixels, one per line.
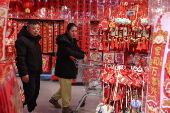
[
  {"x": 25, "y": 78},
  {"x": 85, "y": 58}
]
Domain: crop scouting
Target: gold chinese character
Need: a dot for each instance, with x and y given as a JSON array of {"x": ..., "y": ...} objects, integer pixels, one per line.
[
  {"x": 154, "y": 70},
  {"x": 154, "y": 81},
  {"x": 157, "y": 61},
  {"x": 153, "y": 90},
  {"x": 157, "y": 51}
]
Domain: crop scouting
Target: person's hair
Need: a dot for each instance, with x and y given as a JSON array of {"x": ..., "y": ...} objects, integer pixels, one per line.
[
  {"x": 70, "y": 25},
  {"x": 33, "y": 22}
]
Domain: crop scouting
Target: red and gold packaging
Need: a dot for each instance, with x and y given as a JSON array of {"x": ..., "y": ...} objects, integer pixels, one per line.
[
  {"x": 46, "y": 63},
  {"x": 56, "y": 33},
  {"x": 45, "y": 37},
  {"x": 61, "y": 27},
  {"x": 50, "y": 38}
]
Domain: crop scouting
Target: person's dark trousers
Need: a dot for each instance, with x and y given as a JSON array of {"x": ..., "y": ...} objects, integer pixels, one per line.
[{"x": 31, "y": 91}]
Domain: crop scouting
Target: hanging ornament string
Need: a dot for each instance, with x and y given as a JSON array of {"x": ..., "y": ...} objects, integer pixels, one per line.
[{"x": 158, "y": 24}]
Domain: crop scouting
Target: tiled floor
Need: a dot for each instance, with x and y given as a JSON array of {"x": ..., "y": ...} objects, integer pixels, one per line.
[{"x": 49, "y": 87}]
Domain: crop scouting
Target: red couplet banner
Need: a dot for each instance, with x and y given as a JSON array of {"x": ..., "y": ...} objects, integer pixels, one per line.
[{"x": 158, "y": 91}]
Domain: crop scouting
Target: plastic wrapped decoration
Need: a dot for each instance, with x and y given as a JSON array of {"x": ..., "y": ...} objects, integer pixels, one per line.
[
  {"x": 10, "y": 39},
  {"x": 46, "y": 64}
]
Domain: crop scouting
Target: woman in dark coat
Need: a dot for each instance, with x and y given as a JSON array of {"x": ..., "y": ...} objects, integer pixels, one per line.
[{"x": 65, "y": 67}]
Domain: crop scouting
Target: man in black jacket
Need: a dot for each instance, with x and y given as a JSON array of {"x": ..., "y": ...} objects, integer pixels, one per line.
[{"x": 29, "y": 61}]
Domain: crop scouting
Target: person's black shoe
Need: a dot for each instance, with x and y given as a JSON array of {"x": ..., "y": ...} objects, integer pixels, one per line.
[
  {"x": 31, "y": 108},
  {"x": 67, "y": 110}
]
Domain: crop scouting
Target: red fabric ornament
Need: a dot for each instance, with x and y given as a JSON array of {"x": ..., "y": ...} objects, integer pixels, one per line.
[{"x": 27, "y": 5}]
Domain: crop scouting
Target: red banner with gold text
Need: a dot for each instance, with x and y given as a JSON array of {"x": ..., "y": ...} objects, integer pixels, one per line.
[{"x": 158, "y": 91}]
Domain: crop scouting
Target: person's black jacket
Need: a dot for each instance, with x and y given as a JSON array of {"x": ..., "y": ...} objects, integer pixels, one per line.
[
  {"x": 29, "y": 57},
  {"x": 67, "y": 46}
]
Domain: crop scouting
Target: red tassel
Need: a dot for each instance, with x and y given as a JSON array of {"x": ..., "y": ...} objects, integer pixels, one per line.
[
  {"x": 112, "y": 43},
  {"x": 125, "y": 44},
  {"x": 116, "y": 43},
  {"x": 117, "y": 107},
  {"x": 120, "y": 44},
  {"x": 139, "y": 45},
  {"x": 104, "y": 46},
  {"x": 144, "y": 43},
  {"x": 147, "y": 44},
  {"x": 128, "y": 43}
]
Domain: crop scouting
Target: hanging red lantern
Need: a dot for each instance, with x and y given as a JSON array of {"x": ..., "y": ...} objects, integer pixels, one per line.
[{"x": 27, "y": 5}]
